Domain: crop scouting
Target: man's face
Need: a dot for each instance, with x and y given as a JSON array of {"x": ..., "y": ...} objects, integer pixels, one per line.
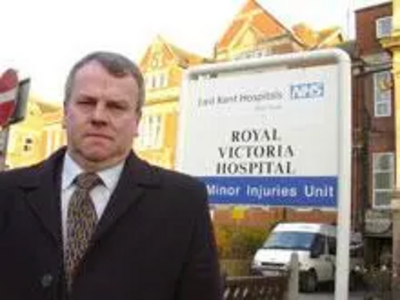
[{"x": 100, "y": 117}]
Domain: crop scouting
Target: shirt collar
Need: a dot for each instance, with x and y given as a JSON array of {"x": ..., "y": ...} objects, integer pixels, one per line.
[{"x": 71, "y": 169}]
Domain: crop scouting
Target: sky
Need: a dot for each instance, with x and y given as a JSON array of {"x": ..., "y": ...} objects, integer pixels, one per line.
[{"x": 42, "y": 39}]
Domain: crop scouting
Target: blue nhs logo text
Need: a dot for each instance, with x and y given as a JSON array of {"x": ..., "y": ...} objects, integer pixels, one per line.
[{"x": 307, "y": 90}]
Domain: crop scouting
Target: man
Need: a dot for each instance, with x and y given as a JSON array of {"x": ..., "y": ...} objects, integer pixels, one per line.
[{"x": 94, "y": 221}]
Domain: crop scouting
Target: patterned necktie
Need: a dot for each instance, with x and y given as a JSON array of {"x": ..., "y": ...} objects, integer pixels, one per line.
[{"x": 81, "y": 222}]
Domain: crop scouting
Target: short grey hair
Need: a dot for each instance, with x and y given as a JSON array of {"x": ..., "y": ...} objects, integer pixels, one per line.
[{"x": 116, "y": 64}]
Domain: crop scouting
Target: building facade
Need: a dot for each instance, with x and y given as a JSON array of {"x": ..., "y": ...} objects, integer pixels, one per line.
[
  {"x": 163, "y": 66},
  {"x": 35, "y": 138},
  {"x": 375, "y": 127}
]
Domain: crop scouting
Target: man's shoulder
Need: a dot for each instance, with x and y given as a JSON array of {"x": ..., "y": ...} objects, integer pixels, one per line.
[
  {"x": 31, "y": 175},
  {"x": 16, "y": 176},
  {"x": 181, "y": 189},
  {"x": 173, "y": 178}
]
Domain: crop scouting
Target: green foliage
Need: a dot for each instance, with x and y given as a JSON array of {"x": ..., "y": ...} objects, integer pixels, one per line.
[{"x": 239, "y": 242}]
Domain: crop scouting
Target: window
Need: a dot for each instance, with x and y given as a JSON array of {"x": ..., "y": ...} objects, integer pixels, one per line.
[
  {"x": 383, "y": 179},
  {"x": 156, "y": 62},
  {"x": 28, "y": 144},
  {"x": 332, "y": 245},
  {"x": 156, "y": 80},
  {"x": 318, "y": 247},
  {"x": 150, "y": 132},
  {"x": 290, "y": 240},
  {"x": 383, "y": 94},
  {"x": 383, "y": 27}
]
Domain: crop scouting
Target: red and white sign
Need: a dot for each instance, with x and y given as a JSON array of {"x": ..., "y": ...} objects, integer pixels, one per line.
[{"x": 8, "y": 95}]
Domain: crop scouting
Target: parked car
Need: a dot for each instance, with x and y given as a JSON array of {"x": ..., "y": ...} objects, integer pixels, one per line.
[{"x": 315, "y": 245}]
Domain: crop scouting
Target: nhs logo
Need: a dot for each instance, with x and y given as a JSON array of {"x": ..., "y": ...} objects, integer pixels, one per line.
[{"x": 307, "y": 90}]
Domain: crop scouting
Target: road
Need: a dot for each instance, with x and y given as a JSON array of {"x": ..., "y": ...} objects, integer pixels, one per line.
[{"x": 326, "y": 295}]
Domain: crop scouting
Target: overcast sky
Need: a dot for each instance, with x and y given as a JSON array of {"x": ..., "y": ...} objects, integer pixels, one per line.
[{"x": 43, "y": 38}]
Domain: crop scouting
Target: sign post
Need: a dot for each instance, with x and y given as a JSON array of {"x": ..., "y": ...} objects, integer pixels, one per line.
[
  {"x": 273, "y": 132},
  {"x": 3, "y": 146},
  {"x": 8, "y": 100}
]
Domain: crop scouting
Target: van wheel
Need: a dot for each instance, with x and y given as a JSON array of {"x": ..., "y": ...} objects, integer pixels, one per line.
[{"x": 309, "y": 281}]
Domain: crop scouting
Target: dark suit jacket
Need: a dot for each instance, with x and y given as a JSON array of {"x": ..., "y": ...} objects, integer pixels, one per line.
[{"x": 153, "y": 242}]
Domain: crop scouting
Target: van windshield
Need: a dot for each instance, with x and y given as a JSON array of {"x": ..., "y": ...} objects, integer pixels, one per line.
[{"x": 290, "y": 240}]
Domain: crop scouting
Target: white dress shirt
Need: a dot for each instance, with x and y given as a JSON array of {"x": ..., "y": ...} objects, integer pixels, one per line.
[{"x": 100, "y": 194}]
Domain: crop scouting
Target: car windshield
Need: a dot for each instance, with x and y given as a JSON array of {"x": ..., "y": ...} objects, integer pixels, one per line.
[{"x": 290, "y": 240}]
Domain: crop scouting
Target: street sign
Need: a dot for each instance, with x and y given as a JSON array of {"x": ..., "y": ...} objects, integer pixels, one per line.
[
  {"x": 8, "y": 95},
  {"x": 22, "y": 101}
]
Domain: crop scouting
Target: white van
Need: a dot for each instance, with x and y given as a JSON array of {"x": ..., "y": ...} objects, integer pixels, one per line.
[{"x": 315, "y": 244}]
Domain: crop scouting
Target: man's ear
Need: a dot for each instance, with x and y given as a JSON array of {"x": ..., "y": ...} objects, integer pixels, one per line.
[
  {"x": 64, "y": 117},
  {"x": 138, "y": 118}
]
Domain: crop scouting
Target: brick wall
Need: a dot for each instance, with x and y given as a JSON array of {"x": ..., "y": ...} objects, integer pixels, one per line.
[{"x": 365, "y": 27}]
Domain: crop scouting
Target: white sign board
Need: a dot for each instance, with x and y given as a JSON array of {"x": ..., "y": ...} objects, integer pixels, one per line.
[
  {"x": 264, "y": 138},
  {"x": 273, "y": 131}
]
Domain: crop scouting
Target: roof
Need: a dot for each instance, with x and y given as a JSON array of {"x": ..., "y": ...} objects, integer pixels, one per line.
[
  {"x": 45, "y": 106},
  {"x": 261, "y": 20},
  {"x": 317, "y": 39},
  {"x": 182, "y": 57},
  {"x": 306, "y": 227}
]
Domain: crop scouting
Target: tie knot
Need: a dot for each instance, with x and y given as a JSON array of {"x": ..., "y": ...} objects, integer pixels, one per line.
[{"x": 87, "y": 181}]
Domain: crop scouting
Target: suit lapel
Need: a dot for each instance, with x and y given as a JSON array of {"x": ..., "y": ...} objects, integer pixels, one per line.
[
  {"x": 42, "y": 190},
  {"x": 136, "y": 177}
]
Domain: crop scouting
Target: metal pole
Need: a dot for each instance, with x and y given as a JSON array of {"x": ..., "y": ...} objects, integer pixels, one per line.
[
  {"x": 344, "y": 185},
  {"x": 396, "y": 195},
  {"x": 3, "y": 146}
]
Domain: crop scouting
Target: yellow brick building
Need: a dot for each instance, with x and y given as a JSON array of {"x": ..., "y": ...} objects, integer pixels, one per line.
[
  {"x": 163, "y": 65},
  {"x": 254, "y": 32},
  {"x": 37, "y": 136}
]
